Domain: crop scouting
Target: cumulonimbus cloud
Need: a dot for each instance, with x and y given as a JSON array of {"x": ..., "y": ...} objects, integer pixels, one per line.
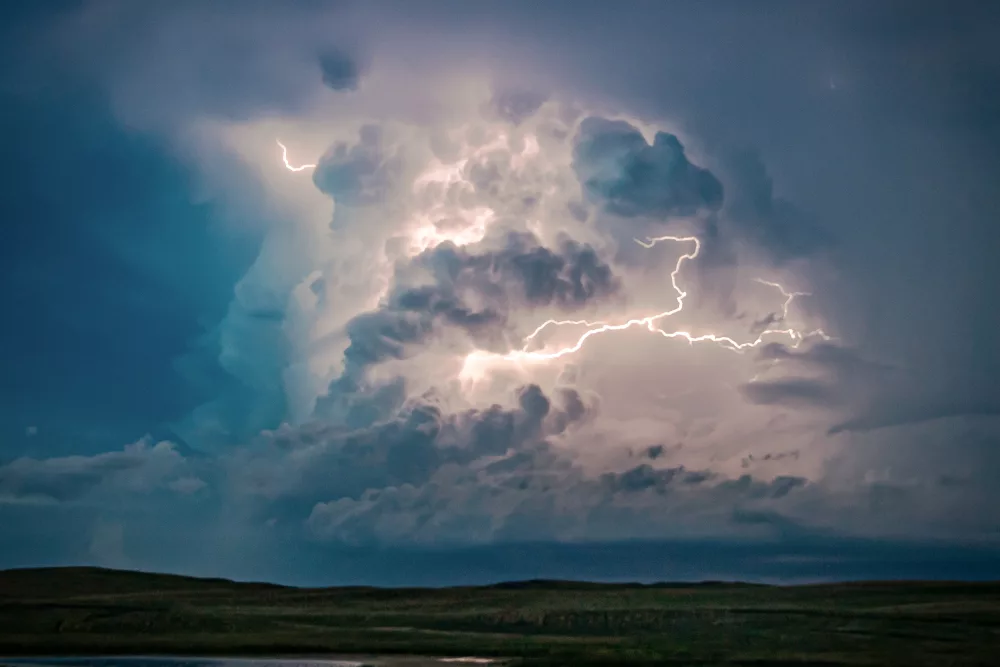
[{"x": 449, "y": 213}]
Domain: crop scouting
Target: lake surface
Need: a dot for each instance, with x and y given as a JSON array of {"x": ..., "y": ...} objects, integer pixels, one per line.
[
  {"x": 162, "y": 661},
  {"x": 155, "y": 661}
]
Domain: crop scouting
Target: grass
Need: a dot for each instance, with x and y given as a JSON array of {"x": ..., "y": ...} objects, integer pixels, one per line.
[{"x": 83, "y": 611}]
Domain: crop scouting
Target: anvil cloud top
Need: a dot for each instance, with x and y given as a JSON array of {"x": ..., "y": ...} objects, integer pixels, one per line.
[{"x": 431, "y": 292}]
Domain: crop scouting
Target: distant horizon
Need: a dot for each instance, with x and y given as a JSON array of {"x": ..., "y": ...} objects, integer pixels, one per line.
[
  {"x": 514, "y": 584},
  {"x": 608, "y": 563}
]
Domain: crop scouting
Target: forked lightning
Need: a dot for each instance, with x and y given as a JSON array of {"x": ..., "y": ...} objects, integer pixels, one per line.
[
  {"x": 650, "y": 321},
  {"x": 289, "y": 166}
]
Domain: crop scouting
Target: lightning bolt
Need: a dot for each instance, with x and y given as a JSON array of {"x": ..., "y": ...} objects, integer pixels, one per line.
[
  {"x": 602, "y": 326},
  {"x": 789, "y": 296},
  {"x": 650, "y": 321},
  {"x": 284, "y": 158}
]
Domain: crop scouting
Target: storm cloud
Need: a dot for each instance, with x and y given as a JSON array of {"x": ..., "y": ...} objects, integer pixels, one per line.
[
  {"x": 140, "y": 466},
  {"x": 764, "y": 218},
  {"x": 340, "y": 70},
  {"x": 629, "y": 177},
  {"x": 357, "y": 174},
  {"x": 475, "y": 291},
  {"x": 421, "y": 330}
]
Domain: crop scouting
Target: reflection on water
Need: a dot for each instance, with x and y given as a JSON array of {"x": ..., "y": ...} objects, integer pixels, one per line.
[
  {"x": 178, "y": 662},
  {"x": 156, "y": 661}
]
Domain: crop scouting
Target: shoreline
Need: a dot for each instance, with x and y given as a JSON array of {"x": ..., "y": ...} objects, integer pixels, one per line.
[{"x": 326, "y": 660}]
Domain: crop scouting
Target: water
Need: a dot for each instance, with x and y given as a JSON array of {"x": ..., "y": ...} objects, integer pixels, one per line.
[
  {"x": 149, "y": 661},
  {"x": 157, "y": 661}
]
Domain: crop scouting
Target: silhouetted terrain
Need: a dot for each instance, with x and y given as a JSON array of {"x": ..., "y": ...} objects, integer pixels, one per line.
[{"x": 95, "y": 611}]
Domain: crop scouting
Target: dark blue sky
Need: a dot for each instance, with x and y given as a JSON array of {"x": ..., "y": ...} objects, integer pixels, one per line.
[
  {"x": 112, "y": 271},
  {"x": 213, "y": 365}
]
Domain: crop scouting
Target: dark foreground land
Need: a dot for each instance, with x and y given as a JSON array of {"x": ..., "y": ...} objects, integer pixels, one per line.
[{"x": 87, "y": 611}]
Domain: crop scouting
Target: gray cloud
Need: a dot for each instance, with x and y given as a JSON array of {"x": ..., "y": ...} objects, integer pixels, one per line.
[
  {"x": 318, "y": 461},
  {"x": 140, "y": 467},
  {"x": 645, "y": 476},
  {"x": 752, "y": 459},
  {"x": 763, "y": 218},
  {"x": 515, "y": 106},
  {"x": 872, "y": 395},
  {"x": 340, "y": 70},
  {"x": 884, "y": 128},
  {"x": 792, "y": 391},
  {"x": 262, "y": 59},
  {"x": 520, "y": 274},
  {"x": 779, "y": 487},
  {"x": 826, "y": 354},
  {"x": 359, "y": 174},
  {"x": 846, "y": 380},
  {"x": 567, "y": 277},
  {"x": 618, "y": 169},
  {"x": 903, "y": 408},
  {"x": 538, "y": 494}
]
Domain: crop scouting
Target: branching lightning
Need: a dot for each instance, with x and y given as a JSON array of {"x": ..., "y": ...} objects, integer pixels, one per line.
[
  {"x": 449, "y": 173},
  {"x": 651, "y": 321},
  {"x": 289, "y": 166},
  {"x": 602, "y": 327},
  {"x": 789, "y": 296}
]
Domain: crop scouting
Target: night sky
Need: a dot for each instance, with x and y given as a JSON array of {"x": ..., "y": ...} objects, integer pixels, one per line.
[{"x": 435, "y": 292}]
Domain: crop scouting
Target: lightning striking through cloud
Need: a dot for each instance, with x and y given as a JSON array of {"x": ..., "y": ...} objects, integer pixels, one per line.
[
  {"x": 789, "y": 296},
  {"x": 602, "y": 327},
  {"x": 650, "y": 321},
  {"x": 289, "y": 166}
]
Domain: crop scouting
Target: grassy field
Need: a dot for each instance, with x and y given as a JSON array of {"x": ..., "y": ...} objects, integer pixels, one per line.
[{"x": 93, "y": 611}]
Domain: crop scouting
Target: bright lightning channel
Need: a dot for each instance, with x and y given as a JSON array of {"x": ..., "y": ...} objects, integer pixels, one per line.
[
  {"x": 289, "y": 166},
  {"x": 650, "y": 321},
  {"x": 789, "y": 296}
]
